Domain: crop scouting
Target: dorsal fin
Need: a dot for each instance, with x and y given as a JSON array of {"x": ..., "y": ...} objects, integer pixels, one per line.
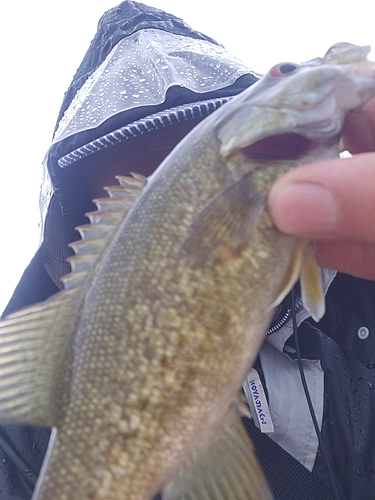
[
  {"x": 32, "y": 340},
  {"x": 104, "y": 222}
]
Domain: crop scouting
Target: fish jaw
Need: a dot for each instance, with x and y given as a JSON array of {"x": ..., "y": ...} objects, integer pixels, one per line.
[{"x": 332, "y": 86}]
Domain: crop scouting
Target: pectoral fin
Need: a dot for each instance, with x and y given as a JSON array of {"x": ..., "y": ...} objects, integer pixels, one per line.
[
  {"x": 225, "y": 225},
  {"x": 303, "y": 266},
  {"x": 292, "y": 274},
  {"x": 311, "y": 285},
  {"x": 227, "y": 469}
]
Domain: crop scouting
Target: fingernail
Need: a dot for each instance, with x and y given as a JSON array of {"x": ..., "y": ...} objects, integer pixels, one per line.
[{"x": 304, "y": 209}]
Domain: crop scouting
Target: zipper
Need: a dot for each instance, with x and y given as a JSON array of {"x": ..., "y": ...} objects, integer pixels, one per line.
[{"x": 286, "y": 317}]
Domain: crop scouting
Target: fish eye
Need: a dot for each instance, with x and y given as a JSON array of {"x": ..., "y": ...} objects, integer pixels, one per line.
[{"x": 283, "y": 69}]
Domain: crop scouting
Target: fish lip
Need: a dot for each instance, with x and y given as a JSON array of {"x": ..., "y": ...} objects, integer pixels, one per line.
[{"x": 282, "y": 146}]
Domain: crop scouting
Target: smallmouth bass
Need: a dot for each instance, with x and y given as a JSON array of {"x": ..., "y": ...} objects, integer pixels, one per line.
[{"x": 138, "y": 362}]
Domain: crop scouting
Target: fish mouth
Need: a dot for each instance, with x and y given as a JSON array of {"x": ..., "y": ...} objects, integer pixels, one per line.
[{"x": 286, "y": 146}]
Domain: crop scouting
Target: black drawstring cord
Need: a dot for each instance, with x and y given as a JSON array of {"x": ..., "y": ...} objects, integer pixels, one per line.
[{"x": 327, "y": 456}]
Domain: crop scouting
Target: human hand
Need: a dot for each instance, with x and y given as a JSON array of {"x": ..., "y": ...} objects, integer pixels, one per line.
[{"x": 333, "y": 201}]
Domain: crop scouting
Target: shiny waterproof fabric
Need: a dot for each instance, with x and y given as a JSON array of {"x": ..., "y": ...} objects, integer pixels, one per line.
[
  {"x": 116, "y": 24},
  {"x": 348, "y": 360},
  {"x": 138, "y": 72}
]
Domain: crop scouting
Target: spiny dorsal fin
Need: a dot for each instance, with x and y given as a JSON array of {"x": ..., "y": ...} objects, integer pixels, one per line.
[
  {"x": 33, "y": 339},
  {"x": 104, "y": 222}
]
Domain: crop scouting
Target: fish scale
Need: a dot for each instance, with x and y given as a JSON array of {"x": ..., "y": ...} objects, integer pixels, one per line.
[{"x": 137, "y": 364}]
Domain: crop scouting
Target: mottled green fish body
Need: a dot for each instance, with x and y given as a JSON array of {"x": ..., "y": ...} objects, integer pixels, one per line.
[{"x": 137, "y": 364}]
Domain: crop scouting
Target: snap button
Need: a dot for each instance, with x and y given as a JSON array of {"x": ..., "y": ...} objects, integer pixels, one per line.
[
  {"x": 363, "y": 333},
  {"x": 290, "y": 349}
]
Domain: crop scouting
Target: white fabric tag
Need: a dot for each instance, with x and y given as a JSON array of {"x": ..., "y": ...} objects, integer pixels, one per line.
[
  {"x": 294, "y": 429},
  {"x": 256, "y": 398}
]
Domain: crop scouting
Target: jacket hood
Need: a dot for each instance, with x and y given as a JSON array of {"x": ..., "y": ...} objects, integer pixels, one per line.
[
  {"x": 118, "y": 23},
  {"x": 145, "y": 71}
]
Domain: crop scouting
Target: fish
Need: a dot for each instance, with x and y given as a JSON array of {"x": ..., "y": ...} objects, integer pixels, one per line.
[{"x": 138, "y": 362}]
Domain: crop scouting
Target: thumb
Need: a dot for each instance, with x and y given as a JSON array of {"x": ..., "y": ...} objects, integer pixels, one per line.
[{"x": 331, "y": 199}]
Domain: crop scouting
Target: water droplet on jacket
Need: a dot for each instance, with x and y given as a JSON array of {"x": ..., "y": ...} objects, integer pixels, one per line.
[
  {"x": 360, "y": 379},
  {"x": 370, "y": 385},
  {"x": 4, "y": 461},
  {"x": 355, "y": 391},
  {"x": 359, "y": 472}
]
